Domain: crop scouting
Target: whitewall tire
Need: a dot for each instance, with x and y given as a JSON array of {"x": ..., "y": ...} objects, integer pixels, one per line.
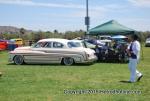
[{"x": 18, "y": 60}]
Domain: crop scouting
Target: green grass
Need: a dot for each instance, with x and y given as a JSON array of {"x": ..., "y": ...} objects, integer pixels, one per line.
[{"x": 48, "y": 82}]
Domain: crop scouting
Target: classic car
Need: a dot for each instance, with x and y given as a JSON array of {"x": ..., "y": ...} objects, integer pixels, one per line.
[
  {"x": 3, "y": 44},
  {"x": 18, "y": 41},
  {"x": 147, "y": 43},
  {"x": 54, "y": 50}
]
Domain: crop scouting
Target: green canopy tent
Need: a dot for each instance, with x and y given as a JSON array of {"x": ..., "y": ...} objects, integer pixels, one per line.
[{"x": 111, "y": 28}]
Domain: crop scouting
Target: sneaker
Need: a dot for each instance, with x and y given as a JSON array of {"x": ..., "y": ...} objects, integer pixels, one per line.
[{"x": 139, "y": 78}]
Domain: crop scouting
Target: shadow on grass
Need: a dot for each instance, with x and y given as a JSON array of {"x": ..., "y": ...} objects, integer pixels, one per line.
[
  {"x": 75, "y": 65},
  {"x": 112, "y": 62},
  {"x": 126, "y": 81}
]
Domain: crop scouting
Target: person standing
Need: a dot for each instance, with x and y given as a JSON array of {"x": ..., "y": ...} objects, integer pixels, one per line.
[
  {"x": 134, "y": 57},
  {"x": 97, "y": 51}
]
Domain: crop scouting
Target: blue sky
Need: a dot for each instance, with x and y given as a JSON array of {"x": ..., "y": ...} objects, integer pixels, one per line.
[{"x": 64, "y": 15}]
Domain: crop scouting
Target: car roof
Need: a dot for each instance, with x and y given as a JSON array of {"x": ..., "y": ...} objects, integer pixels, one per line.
[
  {"x": 64, "y": 41},
  {"x": 53, "y": 39}
]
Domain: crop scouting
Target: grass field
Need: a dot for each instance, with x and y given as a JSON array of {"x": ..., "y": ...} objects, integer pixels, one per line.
[{"x": 48, "y": 82}]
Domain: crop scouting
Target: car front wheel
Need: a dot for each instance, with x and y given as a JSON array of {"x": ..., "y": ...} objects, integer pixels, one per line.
[
  {"x": 68, "y": 61},
  {"x": 18, "y": 60}
]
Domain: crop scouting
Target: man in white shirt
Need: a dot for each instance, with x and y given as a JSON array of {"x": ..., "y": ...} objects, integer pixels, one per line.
[{"x": 134, "y": 54}]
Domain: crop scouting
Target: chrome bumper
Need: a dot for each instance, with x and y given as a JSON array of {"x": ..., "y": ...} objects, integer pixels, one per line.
[{"x": 91, "y": 59}]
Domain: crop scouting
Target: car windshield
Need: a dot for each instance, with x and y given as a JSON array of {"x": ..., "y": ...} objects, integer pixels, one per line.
[
  {"x": 89, "y": 45},
  {"x": 84, "y": 44},
  {"x": 74, "y": 44}
]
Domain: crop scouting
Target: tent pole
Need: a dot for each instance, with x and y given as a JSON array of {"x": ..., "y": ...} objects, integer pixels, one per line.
[
  {"x": 87, "y": 14},
  {"x": 87, "y": 18}
]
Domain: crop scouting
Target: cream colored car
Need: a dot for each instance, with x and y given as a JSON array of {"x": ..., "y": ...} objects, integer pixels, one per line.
[{"x": 48, "y": 51}]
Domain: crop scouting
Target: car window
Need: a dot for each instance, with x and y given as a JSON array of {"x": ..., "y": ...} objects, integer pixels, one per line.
[
  {"x": 57, "y": 45},
  {"x": 48, "y": 45},
  {"x": 84, "y": 44},
  {"x": 73, "y": 44},
  {"x": 39, "y": 45}
]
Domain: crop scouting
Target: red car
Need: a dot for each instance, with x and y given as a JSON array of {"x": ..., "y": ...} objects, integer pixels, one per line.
[{"x": 3, "y": 44}]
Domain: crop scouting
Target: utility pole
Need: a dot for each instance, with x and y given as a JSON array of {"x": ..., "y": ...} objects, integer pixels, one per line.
[{"x": 87, "y": 18}]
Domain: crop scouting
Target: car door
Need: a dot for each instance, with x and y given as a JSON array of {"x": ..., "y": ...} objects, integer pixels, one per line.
[
  {"x": 54, "y": 51},
  {"x": 49, "y": 52},
  {"x": 38, "y": 54}
]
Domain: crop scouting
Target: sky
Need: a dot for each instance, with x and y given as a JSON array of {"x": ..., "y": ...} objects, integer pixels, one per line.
[{"x": 68, "y": 15}]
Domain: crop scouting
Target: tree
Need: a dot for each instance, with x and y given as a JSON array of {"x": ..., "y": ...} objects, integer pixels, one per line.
[
  {"x": 22, "y": 32},
  {"x": 55, "y": 33},
  {"x": 1, "y": 36}
]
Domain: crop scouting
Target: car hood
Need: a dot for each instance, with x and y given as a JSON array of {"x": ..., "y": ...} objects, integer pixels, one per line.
[{"x": 23, "y": 48}]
